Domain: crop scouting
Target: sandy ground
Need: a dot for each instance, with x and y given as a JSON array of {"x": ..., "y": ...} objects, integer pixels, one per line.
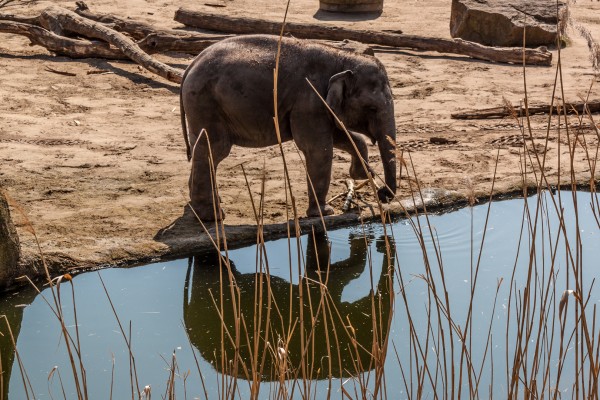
[{"x": 98, "y": 161}]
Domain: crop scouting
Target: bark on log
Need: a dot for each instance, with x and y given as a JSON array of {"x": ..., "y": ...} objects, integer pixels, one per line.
[
  {"x": 65, "y": 20},
  {"x": 60, "y": 45},
  {"x": 243, "y": 25},
  {"x": 501, "y": 112},
  {"x": 192, "y": 44},
  {"x": 154, "y": 40},
  {"x": 136, "y": 29},
  {"x": 164, "y": 42},
  {"x": 19, "y": 18}
]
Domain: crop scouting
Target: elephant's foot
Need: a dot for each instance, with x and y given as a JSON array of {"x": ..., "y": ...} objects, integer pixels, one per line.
[
  {"x": 313, "y": 211},
  {"x": 385, "y": 195},
  {"x": 207, "y": 213}
]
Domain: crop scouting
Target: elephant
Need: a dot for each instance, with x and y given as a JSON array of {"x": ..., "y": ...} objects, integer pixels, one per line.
[
  {"x": 212, "y": 289},
  {"x": 227, "y": 99}
]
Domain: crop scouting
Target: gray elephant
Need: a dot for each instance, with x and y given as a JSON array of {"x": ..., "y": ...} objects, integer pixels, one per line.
[{"x": 227, "y": 91}]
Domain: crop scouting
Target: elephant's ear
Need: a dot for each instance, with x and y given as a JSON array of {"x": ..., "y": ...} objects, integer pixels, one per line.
[{"x": 338, "y": 84}]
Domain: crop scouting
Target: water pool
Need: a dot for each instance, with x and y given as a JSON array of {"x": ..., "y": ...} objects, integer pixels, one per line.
[{"x": 503, "y": 335}]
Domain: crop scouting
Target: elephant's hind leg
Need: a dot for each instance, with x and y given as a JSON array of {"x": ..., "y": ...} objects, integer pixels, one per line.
[{"x": 203, "y": 184}]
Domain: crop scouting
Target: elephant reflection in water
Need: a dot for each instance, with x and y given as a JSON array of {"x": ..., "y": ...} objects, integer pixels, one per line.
[{"x": 341, "y": 338}]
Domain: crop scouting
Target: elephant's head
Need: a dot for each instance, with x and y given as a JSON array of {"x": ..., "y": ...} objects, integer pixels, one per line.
[{"x": 361, "y": 97}]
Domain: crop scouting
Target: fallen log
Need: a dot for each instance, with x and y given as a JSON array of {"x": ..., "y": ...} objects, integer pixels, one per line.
[
  {"x": 158, "y": 41},
  {"x": 245, "y": 25},
  {"x": 136, "y": 29},
  {"x": 154, "y": 40},
  {"x": 578, "y": 107},
  {"x": 163, "y": 42},
  {"x": 60, "y": 45},
  {"x": 19, "y": 18},
  {"x": 141, "y": 30},
  {"x": 151, "y": 40},
  {"x": 58, "y": 19}
]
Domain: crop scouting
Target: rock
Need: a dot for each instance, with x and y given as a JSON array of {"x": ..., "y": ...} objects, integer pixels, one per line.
[
  {"x": 500, "y": 22},
  {"x": 9, "y": 245}
]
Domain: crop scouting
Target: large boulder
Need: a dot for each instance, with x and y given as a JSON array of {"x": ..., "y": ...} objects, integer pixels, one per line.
[
  {"x": 9, "y": 245},
  {"x": 501, "y": 23}
]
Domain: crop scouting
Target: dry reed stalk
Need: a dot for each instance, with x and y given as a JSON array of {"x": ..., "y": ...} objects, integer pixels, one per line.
[
  {"x": 532, "y": 309},
  {"x": 51, "y": 377},
  {"x": 112, "y": 375},
  {"x": 170, "y": 390},
  {"x": 133, "y": 377},
  {"x": 81, "y": 388},
  {"x": 24, "y": 376},
  {"x": 443, "y": 309}
]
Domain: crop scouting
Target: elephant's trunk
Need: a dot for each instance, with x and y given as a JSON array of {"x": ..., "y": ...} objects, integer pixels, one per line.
[{"x": 387, "y": 149}]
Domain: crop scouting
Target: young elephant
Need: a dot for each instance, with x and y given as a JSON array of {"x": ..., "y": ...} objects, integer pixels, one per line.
[{"x": 227, "y": 95}]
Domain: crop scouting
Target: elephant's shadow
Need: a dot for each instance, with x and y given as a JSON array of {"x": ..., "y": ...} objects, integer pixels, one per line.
[
  {"x": 339, "y": 338},
  {"x": 185, "y": 226},
  {"x": 186, "y": 235}
]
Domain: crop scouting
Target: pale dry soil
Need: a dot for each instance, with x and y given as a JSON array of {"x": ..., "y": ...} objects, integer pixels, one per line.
[{"x": 97, "y": 161}]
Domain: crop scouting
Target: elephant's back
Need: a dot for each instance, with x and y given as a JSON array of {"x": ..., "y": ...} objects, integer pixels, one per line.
[
  {"x": 259, "y": 52},
  {"x": 250, "y": 51}
]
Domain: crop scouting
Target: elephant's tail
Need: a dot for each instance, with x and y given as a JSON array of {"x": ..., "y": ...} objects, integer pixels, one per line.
[{"x": 183, "y": 119}]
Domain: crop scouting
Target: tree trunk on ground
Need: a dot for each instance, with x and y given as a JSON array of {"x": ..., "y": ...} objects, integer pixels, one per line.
[
  {"x": 61, "y": 45},
  {"x": 154, "y": 40},
  {"x": 242, "y": 25},
  {"x": 9, "y": 245},
  {"x": 136, "y": 29},
  {"x": 58, "y": 20},
  {"x": 579, "y": 107}
]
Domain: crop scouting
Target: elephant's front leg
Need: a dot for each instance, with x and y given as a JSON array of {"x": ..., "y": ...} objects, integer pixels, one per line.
[
  {"x": 343, "y": 142},
  {"x": 318, "y": 152},
  {"x": 202, "y": 184},
  {"x": 318, "y": 169}
]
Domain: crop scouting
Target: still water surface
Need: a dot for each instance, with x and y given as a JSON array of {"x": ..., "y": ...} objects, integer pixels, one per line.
[{"x": 162, "y": 300}]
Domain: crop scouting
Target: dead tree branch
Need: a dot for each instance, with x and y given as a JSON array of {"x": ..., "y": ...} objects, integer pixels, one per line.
[
  {"x": 59, "y": 20},
  {"x": 154, "y": 40},
  {"x": 578, "y": 107},
  {"x": 244, "y": 25},
  {"x": 349, "y": 195},
  {"x": 61, "y": 45}
]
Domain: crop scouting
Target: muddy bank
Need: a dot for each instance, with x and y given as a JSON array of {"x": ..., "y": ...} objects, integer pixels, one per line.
[{"x": 97, "y": 160}]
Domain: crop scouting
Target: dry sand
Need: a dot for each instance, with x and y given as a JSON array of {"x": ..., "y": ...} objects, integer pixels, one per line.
[{"x": 97, "y": 161}]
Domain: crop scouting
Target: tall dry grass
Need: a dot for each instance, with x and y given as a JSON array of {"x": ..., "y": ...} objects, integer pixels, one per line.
[{"x": 547, "y": 330}]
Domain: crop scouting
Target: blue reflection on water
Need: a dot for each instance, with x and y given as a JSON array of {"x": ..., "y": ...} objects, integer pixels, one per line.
[{"x": 151, "y": 298}]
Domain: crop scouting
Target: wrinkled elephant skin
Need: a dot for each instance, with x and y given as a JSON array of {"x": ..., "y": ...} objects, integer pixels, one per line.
[{"x": 227, "y": 99}]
